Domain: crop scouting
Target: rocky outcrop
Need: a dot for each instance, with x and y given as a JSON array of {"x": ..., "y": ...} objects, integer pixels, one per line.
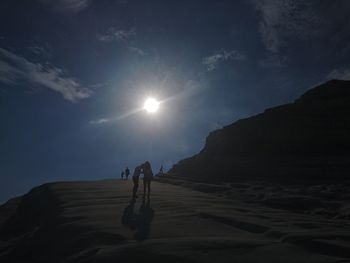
[{"x": 308, "y": 139}]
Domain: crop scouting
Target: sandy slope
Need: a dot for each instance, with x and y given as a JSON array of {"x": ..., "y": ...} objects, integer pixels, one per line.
[{"x": 99, "y": 222}]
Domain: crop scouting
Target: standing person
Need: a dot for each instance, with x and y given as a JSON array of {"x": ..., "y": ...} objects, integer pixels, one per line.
[
  {"x": 127, "y": 172},
  {"x": 161, "y": 172},
  {"x": 147, "y": 178},
  {"x": 122, "y": 175},
  {"x": 135, "y": 179}
]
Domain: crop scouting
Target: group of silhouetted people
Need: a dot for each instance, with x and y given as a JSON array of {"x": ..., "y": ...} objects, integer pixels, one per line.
[
  {"x": 144, "y": 169},
  {"x": 141, "y": 221},
  {"x": 125, "y": 174}
]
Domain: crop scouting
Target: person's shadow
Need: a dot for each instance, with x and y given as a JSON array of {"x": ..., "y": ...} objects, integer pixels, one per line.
[
  {"x": 129, "y": 216},
  {"x": 140, "y": 222}
]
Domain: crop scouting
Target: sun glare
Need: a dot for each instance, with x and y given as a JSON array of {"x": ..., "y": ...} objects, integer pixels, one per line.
[{"x": 151, "y": 105}]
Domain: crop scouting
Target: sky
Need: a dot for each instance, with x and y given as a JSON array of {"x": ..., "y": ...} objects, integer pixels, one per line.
[{"x": 74, "y": 75}]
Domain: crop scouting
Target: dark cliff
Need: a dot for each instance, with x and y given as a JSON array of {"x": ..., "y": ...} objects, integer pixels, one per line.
[{"x": 308, "y": 139}]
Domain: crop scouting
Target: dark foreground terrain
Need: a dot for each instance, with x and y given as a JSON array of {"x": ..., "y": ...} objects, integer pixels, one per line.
[{"x": 182, "y": 222}]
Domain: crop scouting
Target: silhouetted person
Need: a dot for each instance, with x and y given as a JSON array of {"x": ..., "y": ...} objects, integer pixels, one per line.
[
  {"x": 127, "y": 173},
  {"x": 135, "y": 179},
  {"x": 147, "y": 178},
  {"x": 143, "y": 220},
  {"x": 122, "y": 175},
  {"x": 161, "y": 172}
]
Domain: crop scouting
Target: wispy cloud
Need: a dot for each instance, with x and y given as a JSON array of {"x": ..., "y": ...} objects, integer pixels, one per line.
[
  {"x": 114, "y": 119},
  {"x": 343, "y": 74},
  {"x": 117, "y": 35},
  {"x": 100, "y": 121},
  {"x": 67, "y": 5},
  {"x": 15, "y": 69},
  {"x": 213, "y": 61},
  {"x": 280, "y": 19},
  {"x": 137, "y": 51},
  {"x": 40, "y": 51}
]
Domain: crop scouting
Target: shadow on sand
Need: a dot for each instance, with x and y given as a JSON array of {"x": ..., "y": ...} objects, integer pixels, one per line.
[{"x": 140, "y": 222}]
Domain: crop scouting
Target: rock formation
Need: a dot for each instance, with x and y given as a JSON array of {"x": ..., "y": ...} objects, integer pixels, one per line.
[{"x": 308, "y": 139}]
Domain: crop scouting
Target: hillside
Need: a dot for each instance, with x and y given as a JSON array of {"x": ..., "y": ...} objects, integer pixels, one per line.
[{"x": 308, "y": 139}]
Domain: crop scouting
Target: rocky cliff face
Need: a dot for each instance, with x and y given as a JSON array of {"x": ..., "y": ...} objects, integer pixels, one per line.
[{"x": 308, "y": 139}]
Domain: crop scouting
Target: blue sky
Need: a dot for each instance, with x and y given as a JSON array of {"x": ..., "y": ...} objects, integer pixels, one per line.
[{"x": 74, "y": 72}]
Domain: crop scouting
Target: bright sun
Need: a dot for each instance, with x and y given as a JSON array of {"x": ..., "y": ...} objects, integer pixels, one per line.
[{"x": 151, "y": 105}]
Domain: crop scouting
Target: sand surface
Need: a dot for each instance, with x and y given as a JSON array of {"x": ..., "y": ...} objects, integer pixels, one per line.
[{"x": 100, "y": 222}]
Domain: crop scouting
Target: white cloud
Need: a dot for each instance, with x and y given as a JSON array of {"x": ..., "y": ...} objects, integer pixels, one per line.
[
  {"x": 67, "y": 5},
  {"x": 15, "y": 69},
  {"x": 212, "y": 62},
  {"x": 116, "y": 35},
  {"x": 137, "y": 51},
  {"x": 343, "y": 74},
  {"x": 280, "y": 19}
]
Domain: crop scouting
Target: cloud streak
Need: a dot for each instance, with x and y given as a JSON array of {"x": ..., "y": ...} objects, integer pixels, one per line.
[
  {"x": 137, "y": 51},
  {"x": 343, "y": 74},
  {"x": 280, "y": 19},
  {"x": 101, "y": 121},
  {"x": 213, "y": 61},
  {"x": 117, "y": 118},
  {"x": 117, "y": 35},
  {"x": 40, "y": 51},
  {"x": 15, "y": 69},
  {"x": 67, "y": 5}
]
